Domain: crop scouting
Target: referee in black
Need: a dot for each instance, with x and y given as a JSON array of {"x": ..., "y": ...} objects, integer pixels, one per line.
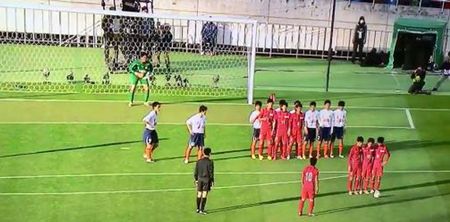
[{"x": 204, "y": 179}]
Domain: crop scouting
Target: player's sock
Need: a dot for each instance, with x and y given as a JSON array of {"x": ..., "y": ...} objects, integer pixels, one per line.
[
  {"x": 366, "y": 182},
  {"x": 147, "y": 95},
  {"x": 303, "y": 149},
  {"x": 341, "y": 147},
  {"x": 331, "y": 147},
  {"x": 203, "y": 204},
  {"x": 187, "y": 154},
  {"x": 349, "y": 185},
  {"x": 325, "y": 149},
  {"x": 319, "y": 144},
  {"x": 199, "y": 154},
  {"x": 287, "y": 151},
  {"x": 311, "y": 207},
  {"x": 199, "y": 200},
  {"x": 310, "y": 149},
  {"x": 357, "y": 183},
  {"x": 260, "y": 148},
  {"x": 132, "y": 95},
  {"x": 377, "y": 185},
  {"x": 300, "y": 206},
  {"x": 269, "y": 149}
]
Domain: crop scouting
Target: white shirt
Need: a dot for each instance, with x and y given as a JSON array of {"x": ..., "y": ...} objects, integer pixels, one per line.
[
  {"x": 254, "y": 119},
  {"x": 339, "y": 118},
  {"x": 151, "y": 120},
  {"x": 326, "y": 118},
  {"x": 311, "y": 118},
  {"x": 197, "y": 123}
]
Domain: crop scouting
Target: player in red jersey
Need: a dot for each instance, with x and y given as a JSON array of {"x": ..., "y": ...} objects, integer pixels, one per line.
[
  {"x": 368, "y": 151},
  {"x": 310, "y": 186},
  {"x": 282, "y": 128},
  {"x": 354, "y": 167},
  {"x": 296, "y": 129},
  {"x": 381, "y": 158},
  {"x": 266, "y": 117}
]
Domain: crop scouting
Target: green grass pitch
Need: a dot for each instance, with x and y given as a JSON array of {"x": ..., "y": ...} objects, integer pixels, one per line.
[{"x": 78, "y": 157}]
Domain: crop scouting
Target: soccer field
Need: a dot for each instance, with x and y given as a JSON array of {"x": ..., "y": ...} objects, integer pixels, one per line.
[{"x": 78, "y": 157}]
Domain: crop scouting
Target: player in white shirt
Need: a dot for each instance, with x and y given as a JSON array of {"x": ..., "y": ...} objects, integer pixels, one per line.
[
  {"x": 311, "y": 127},
  {"x": 339, "y": 121},
  {"x": 326, "y": 128},
  {"x": 196, "y": 125},
  {"x": 256, "y": 123},
  {"x": 150, "y": 136}
]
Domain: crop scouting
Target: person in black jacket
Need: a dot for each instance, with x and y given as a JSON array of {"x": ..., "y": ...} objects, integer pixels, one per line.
[
  {"x": 418, "y": 78},
  {"x": 204, "y": 179},
  {"x": 359, "y": 39}
]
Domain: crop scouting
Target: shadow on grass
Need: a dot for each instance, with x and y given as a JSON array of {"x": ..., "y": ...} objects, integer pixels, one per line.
[
  {"x": 296, "y": 198},
  {"x": 102, "y": 145},
  {"x": 30, "y": 96},
  {"x": 214, "y": 154}
]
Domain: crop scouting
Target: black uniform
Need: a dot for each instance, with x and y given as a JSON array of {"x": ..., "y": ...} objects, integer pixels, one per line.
[
  {"x": 359, "y": 39},
  {"x": 204, "y": 174}
]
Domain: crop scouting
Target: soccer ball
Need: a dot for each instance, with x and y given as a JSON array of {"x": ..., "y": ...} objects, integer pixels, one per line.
[{"x": 376, "y": 194}]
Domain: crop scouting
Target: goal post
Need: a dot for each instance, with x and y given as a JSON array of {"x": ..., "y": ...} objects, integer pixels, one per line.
[{"x": 55, "y": 49}]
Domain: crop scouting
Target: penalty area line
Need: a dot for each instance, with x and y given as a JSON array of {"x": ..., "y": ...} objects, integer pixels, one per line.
[{"x": 156, "y": 190}]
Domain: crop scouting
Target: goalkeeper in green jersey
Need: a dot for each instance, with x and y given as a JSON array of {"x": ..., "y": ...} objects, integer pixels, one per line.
[{"x": 140, "y": 70}]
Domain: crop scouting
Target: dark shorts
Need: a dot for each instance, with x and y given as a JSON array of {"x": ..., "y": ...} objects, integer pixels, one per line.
[
  {"x": 203, "y": 185},
  {"x": 197, "y": 139},
  {"x": 256, "y": 133},
  {"x": 311, "y": 137},
  {"x": 150, "y": 137},
  {"x": 325, "y": 133},
  {"x": 338, "y": 133}
]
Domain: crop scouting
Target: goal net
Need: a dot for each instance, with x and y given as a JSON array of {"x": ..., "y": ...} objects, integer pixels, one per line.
[{"x": 51, "y": 49}]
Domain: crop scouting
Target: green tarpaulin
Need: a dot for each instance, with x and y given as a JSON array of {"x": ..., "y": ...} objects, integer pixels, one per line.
[{"x": 420, "y": 26}]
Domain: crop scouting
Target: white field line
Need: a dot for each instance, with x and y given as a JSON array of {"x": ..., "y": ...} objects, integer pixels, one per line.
[
  {"x": 156, "y": 190},
  {"x": 167, "y": 123},
  {"x": 397, "y": 83},
  {"x": 206, "y": 103},
  {"x": 131, "y": 174},
  {"x": 410, "y": 120}
]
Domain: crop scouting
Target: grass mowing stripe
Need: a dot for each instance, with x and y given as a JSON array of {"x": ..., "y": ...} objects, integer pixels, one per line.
[
  {"x": 190, "y": 173},
  {"x": 157, "y": 190},
  {"x": 181, "y": 124},
  {"x": 125, "y": 102}
]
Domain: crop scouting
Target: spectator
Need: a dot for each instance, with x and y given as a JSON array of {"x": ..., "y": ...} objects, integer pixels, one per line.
[
  {"x": 418, "y": 78},
  {"x": 359, "y": 39},
  {"x": 445, "y": 74},
  {"x": 209, "y": 36}
]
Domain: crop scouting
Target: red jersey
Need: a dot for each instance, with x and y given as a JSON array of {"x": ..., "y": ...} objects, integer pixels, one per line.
[
  {"x": 296, "y": 122},
  {"x": 309, "y": 176},
  {"x": 354, "y": 156},
  {"x": 368, "y": 153},
  {"x": 266, "y": 116},
  {"x": 282, "y": 122},
  {"x": 380, "y": 153}
]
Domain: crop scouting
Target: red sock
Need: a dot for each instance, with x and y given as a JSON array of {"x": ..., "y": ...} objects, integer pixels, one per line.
[
  {"x": 331, "y": 148},
  {"x": 260, "y": 148},
  {"x": 269, "y": 149},
  {"x": 303, "y": 149},
  {"x": 349, "y": 185},
  {"x": 287, "y": 151},
  {"x": 377, "y": 184},
  {"x": 319, "y": 144},
  {"x": 357, "y": 183},
  {"x": 311, "y": 207},
  {"x": 300, "y": 206},
  {"x": 366, "y": 182}
]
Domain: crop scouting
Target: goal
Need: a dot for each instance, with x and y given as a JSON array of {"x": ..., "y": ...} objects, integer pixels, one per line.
[{"x": 53, "y": 49}]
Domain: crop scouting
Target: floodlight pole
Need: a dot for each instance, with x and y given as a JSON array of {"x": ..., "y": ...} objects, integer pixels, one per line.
[{"x": 330, "y": 46}]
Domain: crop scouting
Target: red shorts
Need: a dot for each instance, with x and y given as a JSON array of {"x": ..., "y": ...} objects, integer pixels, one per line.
[
  {"x": 367, "y": 170},
  {"x": 308, "y": 194},
  {"x": 355, "y": 171},
  {"x": 377, "y": 170},
  {"x": 265, "y": 135},
  {"x": 296, "y": 137},
  {"x": 282, "y": 137}
]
